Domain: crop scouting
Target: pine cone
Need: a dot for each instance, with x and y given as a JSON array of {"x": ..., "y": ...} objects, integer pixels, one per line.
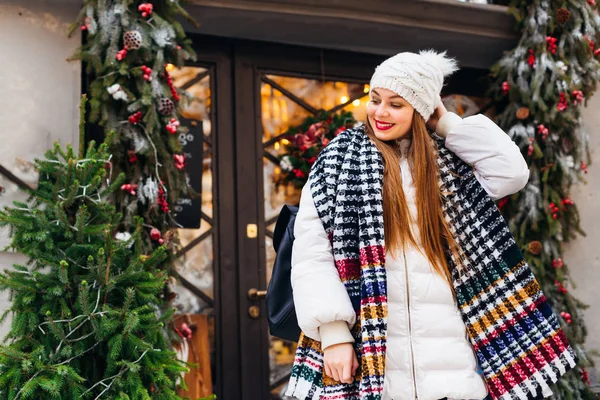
[
  {"x": 132, "y": 40},
  {"x": 166, "y": 106},
  {"x": 523, "y": 113},
  {"x": 563, "y": 15},
  {"x": 535, "y": 247},
  {"x": 567, "y": 145}
]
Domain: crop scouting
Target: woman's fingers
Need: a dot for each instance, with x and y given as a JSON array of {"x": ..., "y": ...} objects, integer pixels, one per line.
[
  {"x": 339, "y": 360},
  {"x": 346, "y": 375},
  {"x": 354, "y": 365},
  {"x": 328, "y": 370},
  {"x": 335, "y": 374}
]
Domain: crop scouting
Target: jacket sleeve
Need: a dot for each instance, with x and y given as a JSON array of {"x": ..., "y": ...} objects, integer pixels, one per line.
[
  {"x": 497, "y": 161},
  {"x": 322, "y": 304}
]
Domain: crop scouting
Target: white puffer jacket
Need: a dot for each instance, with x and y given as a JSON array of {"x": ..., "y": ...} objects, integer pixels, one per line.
[{"x": 428, "y": 354}]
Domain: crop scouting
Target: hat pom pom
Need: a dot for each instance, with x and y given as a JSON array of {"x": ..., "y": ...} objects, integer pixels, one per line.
[{"x": 444, "y": 63}]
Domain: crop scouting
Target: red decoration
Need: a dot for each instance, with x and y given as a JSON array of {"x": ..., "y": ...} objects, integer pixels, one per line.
[
  {"x": 161, "y": 199},
  {"x": 531, "y": 59},
  {"x": 135, "y": 118},
  {"x": 596, "y": 52},
  {"x": 577, "y": 96},
  {"x": 86, "y": 24},
  {"x": 179, "y": 161},
  {"x": 132, "y": 156},
  {"x": 156, "y": 236},
  {"x": 566, "y": 316},
  {"x": 554, "y": 210},
  {"x": 551, "y": 43},
  {"x": 121, "y": 54},
  {"x": 563, "y": 103},
  {"x": 145, "y": 9},
  {"x": 505, "y": 87},
  {"x": 591, "y": 2},
  {"x": 187, "y": 332},
  {"x": 590, "y": 42},
  {"x": 172, "y": 126},
  {"x": 303, "y": 143},
  {"x": 530, "y": 148},
  {"x": 582, "y": 372},
  {"x": 147, "y": 73},
  {"x": 171, "y": 85},
  {"x": 584, "y": 167},
  {"x": 129, "y": 188},
  {"x": 558, "y": 263},
  {"x": 561, "y": 288},
  {"x": 299, "y": 174},
  {"x": 542, "y": 130},
  {"x": 567, "y": 202},
  {"x": 502, "y": 203}
]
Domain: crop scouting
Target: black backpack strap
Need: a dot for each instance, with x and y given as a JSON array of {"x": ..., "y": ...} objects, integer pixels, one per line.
[{"x": 281, "y": 226}]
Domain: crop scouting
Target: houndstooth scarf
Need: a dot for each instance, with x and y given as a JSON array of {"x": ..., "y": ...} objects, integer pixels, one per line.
[{"x": 516, "y": 336}]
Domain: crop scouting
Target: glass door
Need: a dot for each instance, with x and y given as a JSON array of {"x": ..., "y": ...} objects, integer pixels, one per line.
[{"x": 286, "y": 103}]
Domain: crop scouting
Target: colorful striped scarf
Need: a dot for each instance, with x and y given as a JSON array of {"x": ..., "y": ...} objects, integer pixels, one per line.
[{"x": 518, "y": 341}]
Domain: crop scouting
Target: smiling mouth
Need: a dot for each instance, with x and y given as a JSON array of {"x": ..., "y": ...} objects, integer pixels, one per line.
[{"x": 383, "y": 126}]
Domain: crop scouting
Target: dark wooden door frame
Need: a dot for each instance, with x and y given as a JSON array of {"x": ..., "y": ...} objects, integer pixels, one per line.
[
  {"x": 217, "y": 54},
  {"x": 227, "y": 329}
]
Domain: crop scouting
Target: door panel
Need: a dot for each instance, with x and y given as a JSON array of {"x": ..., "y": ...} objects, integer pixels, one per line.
[{"x": 276, "y": 89}]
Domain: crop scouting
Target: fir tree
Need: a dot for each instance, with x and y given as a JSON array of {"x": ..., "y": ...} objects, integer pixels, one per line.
[
  {"x": 85, "y": 308},
  {"x": 541, "y": 86}
]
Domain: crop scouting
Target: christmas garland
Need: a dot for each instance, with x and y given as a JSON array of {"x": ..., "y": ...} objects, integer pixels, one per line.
[
  {"x": 541, "y": 86},
  {"x": 303, "y": 144},
  {"x": 129, "y": 48}
]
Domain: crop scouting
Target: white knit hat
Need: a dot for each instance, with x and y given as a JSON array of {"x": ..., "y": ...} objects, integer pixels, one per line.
[{"x": 418, "y": 78}]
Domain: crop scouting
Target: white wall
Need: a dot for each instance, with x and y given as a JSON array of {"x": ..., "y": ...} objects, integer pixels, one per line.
[
  {"x": 39, "y": 92},
  {"x": 583, "y": 254}
]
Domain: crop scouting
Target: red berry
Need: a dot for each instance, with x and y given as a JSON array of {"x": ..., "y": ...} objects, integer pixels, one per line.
[{"x": 155, "y": 234}]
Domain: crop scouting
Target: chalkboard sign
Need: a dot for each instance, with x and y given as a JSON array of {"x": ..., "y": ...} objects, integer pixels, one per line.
[{"x": 187, "y": 210}]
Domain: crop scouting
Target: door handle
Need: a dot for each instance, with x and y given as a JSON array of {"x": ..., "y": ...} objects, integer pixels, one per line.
[{"x": 255, "y": 294}]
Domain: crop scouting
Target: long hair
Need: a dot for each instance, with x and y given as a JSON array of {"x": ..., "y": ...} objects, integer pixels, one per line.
[{"x": 436, "y": 237}]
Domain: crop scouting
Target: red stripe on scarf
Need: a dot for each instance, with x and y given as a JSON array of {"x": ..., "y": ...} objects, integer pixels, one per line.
[
  {"x": 309, "y": 362},
  {"x": 348, "y": 269},
  {"x": 372, "y": 255},
  {"x": 373, "y": 349},
  {"x": 374, "y": 300},
  {"x": 533, "y": 362}
]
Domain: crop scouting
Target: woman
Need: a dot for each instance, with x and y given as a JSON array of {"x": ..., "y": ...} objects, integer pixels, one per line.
[{"x": 407, "y": 283}]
